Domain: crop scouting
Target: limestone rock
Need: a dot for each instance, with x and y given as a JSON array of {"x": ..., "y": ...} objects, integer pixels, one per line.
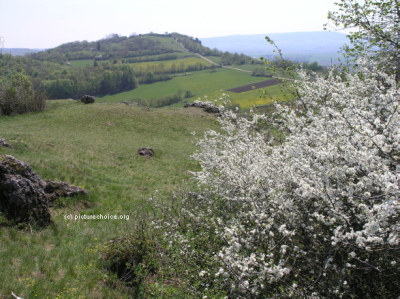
[
  {"x": 146, "y": 152},
  {"x": 24, "y": 197},
  {"x": 55, "y": 190}
]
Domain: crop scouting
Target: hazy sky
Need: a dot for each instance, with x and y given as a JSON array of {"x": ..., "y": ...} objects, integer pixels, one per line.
[{"x": 49, "y": 23}]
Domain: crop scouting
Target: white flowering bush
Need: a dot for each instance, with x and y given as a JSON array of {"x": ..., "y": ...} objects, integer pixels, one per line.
[{"x": 315, "y": 215}]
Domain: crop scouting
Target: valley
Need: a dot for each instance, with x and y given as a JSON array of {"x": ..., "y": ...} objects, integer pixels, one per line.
[{"x": 141, "y": 84}]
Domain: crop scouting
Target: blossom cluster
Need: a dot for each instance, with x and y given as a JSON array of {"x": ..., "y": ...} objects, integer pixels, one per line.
[
  {"x": 319, "y": 212},
  {"x": 303, "y": 202}
]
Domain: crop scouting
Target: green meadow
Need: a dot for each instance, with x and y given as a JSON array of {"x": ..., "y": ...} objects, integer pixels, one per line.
[
  {"x": 94, "y": 147},
  {"x": 201, "y": 84},
  {"x": 156, "y": 65}
]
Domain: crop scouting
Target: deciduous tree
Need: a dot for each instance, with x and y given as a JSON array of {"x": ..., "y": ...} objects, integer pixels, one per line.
[
  {"x": 18, "y": 96},
  {"x": 376, "y": 27}
]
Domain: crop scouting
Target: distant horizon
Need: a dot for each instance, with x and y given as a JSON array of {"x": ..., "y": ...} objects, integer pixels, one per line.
[
  {"x": 251, "y": 34},
  {"x": 277, "y": 33},
  {"x": 44, "y": 24}
]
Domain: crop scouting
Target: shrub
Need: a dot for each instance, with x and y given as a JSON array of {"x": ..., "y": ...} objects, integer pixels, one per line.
[
  {"x": 131, "y": 257},
  {"x": 315, "y": 215},
  {"x": 19, "y": 97},
  {"x": 261, "y": 72}
]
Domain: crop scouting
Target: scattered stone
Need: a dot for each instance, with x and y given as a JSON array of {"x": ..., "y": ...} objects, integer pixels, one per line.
[
  {"x": 24, "y": 197},
  {"x": 4, "y": 143},
  {"x": 205, "y": 106},
  {"x": 88, "y": 99},
  {"x": 146, "y": 152},
  {"x": 55, "y": 190}
]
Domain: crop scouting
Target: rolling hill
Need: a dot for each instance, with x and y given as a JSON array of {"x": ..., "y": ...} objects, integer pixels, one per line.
[{"x": 152, "y": 70}]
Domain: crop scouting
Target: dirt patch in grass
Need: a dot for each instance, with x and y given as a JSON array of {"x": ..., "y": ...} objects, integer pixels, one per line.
[{"x": 257, "y": 85}]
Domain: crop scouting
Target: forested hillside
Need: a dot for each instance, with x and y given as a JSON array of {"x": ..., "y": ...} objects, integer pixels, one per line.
[{"x": 107, "y": 66}]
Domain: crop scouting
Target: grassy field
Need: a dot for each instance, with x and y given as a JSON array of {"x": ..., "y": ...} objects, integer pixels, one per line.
[
  {"x": 166, "y": 42},
  {"x": 81, "y": 63},
  {"x": 214, "y": 59},
  {"x": 92, "y": 146},
  {"x": 203, "y": 83},
  {"x": 155, "y": 65},
  {"x": 260, "y": 97}
]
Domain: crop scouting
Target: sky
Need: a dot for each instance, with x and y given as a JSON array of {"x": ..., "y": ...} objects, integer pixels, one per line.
[{"x": 40, "y": 24}]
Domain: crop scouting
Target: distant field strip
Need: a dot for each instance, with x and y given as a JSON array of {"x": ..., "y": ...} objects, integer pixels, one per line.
[
  {"x": 153, "y": 65},
  {"x": 257, "y": 85}
]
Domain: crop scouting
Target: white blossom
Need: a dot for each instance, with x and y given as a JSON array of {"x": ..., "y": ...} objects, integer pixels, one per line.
[{"x": 332, "y": 182}]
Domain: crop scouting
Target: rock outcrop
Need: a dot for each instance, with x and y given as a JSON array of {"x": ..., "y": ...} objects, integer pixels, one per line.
[
  {"x": 24, "y": 197},
  {"x": 88, "y": 99}
]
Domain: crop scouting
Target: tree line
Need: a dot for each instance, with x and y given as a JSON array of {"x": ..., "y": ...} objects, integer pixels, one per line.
[
  {"x": 114, "y": 47},
  {"x": 61, "y": 81}
]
